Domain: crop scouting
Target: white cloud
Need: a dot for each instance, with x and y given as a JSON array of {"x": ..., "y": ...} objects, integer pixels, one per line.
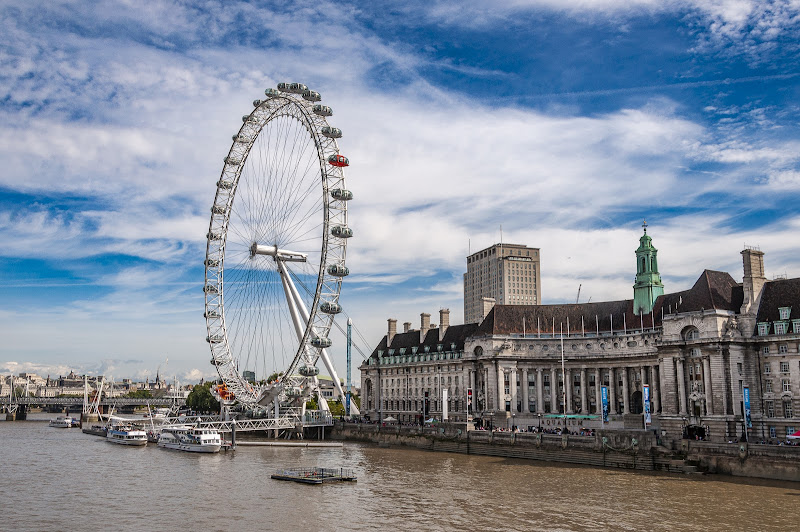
[{"x": 137, "y": 127}]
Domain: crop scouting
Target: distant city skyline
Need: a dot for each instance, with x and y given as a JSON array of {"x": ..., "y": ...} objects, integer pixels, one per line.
[{"x": 566, "y": 123}]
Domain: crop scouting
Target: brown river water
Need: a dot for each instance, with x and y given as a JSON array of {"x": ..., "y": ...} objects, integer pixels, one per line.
[{"x": 62, "y": 479}]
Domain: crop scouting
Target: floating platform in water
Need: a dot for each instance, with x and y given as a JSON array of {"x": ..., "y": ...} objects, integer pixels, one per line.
[{"x": 315, "y": 475}]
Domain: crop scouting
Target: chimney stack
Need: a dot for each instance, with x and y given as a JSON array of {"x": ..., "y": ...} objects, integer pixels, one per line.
[
  {"x": 392, "y": 331},
  {"x": 425, "y": 325},
  {"x": 407, "y": 326},
  {"x": 444, "y": 322},
  {"x": 488, "y": 305},
  {"x": 753, "y": 280}
]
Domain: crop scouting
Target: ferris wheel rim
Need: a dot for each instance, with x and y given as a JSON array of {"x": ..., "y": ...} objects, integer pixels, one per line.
[{"x": 328, "y": 286}]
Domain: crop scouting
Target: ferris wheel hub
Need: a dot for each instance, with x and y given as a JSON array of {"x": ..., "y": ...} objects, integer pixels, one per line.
[{"x": 278, "y": 254}]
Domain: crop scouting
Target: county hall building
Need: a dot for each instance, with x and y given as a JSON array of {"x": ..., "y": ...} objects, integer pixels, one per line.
[{"x": 699, "y": 351}]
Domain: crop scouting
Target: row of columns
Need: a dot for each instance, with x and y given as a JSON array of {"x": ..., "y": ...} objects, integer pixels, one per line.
[
  {"x": 681, "y": 378},
  {"x": 646, "y": 377}
]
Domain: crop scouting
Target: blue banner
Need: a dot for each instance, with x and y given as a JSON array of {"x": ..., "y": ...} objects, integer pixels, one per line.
[
  {"x": 347, "y": 404},
  {"x": 747, "y": 407},
  {"x": 604, "y": 395},
  {"x": 646, "y": 395}
]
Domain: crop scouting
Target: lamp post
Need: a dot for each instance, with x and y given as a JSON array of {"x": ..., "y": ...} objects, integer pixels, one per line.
[
  {"x": 540, "y": 421},
  {"x": 513, "y": 422}
]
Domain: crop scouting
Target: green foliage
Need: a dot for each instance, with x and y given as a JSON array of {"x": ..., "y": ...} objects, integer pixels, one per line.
[
  {"x": 274, "y": 377},
  {"x": 201, "y": 399},
  {"x": 337, "y": 408},
  {"x": 140, "y": 394},
  {"x": 312, "y": 404}
]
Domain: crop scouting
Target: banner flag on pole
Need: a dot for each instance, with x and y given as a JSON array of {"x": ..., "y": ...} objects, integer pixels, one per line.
[
  {"x": 604, "y": 395},
  {"x": 746, "y": 391},
  {"x": 646, "y": 395}
]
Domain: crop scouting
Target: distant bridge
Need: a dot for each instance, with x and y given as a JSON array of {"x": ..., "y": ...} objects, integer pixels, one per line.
[{"x": 106, "y": 401}]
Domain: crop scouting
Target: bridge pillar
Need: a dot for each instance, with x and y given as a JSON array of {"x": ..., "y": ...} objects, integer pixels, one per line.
[
  {"x": 21, "y": 414},
  {"x": 89, "y": 418}
]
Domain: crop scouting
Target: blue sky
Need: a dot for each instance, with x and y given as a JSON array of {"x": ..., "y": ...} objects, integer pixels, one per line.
[{"x": 566, "y": 123}]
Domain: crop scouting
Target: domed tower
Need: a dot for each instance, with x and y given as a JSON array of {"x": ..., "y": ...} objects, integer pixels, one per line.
[{"x": 648, "y": 284}]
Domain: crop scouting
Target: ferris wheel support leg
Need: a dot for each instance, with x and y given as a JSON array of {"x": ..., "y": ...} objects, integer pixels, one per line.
[
  {"x": 298, "y": 303},
  {"x": 290, "y": 291}
]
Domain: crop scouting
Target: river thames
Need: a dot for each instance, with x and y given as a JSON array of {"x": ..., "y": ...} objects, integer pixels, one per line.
[{"x": 62, "y": 479}]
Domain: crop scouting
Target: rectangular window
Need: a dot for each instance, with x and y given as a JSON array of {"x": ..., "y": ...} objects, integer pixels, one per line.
[
  {"x": 770, "y": 408},
  {"x": 784, "y": 367},
  {"x": 787, "y": 385},
  {"x": 781, "y": 327},
  {"x": 768, "y": 386},
  {"x": 796, "y": 326},
  {"x": 784, "y": 312},
  {"x": 767, "y": 368},
  {"x": 739, "y": 367},
  {"x": 787, "y": 409},
  {"x": 790, "y": 431},
  {"x": 783, "y": 348},
  {"x": 765, "y": 350},
  {"x": 772, "y": 432},
  {"x": 763, "y": 329}
]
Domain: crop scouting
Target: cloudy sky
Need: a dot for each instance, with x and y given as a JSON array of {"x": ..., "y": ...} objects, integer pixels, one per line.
[{"x": 565, "y": 122}]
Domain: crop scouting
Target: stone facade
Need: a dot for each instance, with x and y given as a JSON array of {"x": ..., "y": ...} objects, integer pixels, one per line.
[{"x": 697, "y": 350}]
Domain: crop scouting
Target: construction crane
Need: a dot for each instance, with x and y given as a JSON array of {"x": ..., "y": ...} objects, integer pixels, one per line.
[{"x": 579, "y": 294}]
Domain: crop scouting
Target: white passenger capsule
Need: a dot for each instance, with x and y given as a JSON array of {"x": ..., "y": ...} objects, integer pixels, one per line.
[
  {"x": 272, "y": 92},
  {"x": 341, "y": 194},
  {"x": 311, "y": 96},
  {"x": 330, "y": 308},
  {"x": 309, "y": 371},
  {"x": 322, "y": 110},
  {"x": 321, "y": 342},
  {"x": 338, "y": 270},
  {"x": 332, "y": 132},
  {"x": 297, "y": 88},
  {"x": 341, "y": 231}
]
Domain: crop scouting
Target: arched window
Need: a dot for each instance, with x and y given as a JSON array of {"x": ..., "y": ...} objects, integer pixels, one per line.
[{"x": 690, "y": 333}]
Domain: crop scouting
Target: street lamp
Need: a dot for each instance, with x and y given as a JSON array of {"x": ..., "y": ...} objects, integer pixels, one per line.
[
  {"x": 513, "y": 421},
  {"x": 539, "y": 415}
]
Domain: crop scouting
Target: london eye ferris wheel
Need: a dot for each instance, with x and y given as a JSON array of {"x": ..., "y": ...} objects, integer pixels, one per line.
[{"x": 275, "y": 252}]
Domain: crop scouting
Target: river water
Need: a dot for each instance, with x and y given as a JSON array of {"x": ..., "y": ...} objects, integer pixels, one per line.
[{"x": 62, "y": 479}]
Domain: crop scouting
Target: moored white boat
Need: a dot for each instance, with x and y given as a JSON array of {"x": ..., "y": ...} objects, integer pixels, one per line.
[
  {"x": 191, "y": 439},
  {"x": 126, "y": 435},
  {"x": 64, "y": 422}
]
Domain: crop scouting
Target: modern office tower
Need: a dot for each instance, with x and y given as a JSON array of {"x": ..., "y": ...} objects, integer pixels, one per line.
[{"x": 504, "y": 274}]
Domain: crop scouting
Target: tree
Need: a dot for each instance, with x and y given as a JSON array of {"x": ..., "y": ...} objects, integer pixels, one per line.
[
  {"x": 201, "y": 399},
  {"x": 140, "y": 394}
]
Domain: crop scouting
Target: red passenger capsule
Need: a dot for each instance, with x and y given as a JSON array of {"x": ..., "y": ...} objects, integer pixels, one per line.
[{"x": 338, "y": 160}]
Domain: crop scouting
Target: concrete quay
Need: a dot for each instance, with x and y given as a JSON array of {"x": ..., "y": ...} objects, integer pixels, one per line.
[{"x": 624, "y": 449}]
